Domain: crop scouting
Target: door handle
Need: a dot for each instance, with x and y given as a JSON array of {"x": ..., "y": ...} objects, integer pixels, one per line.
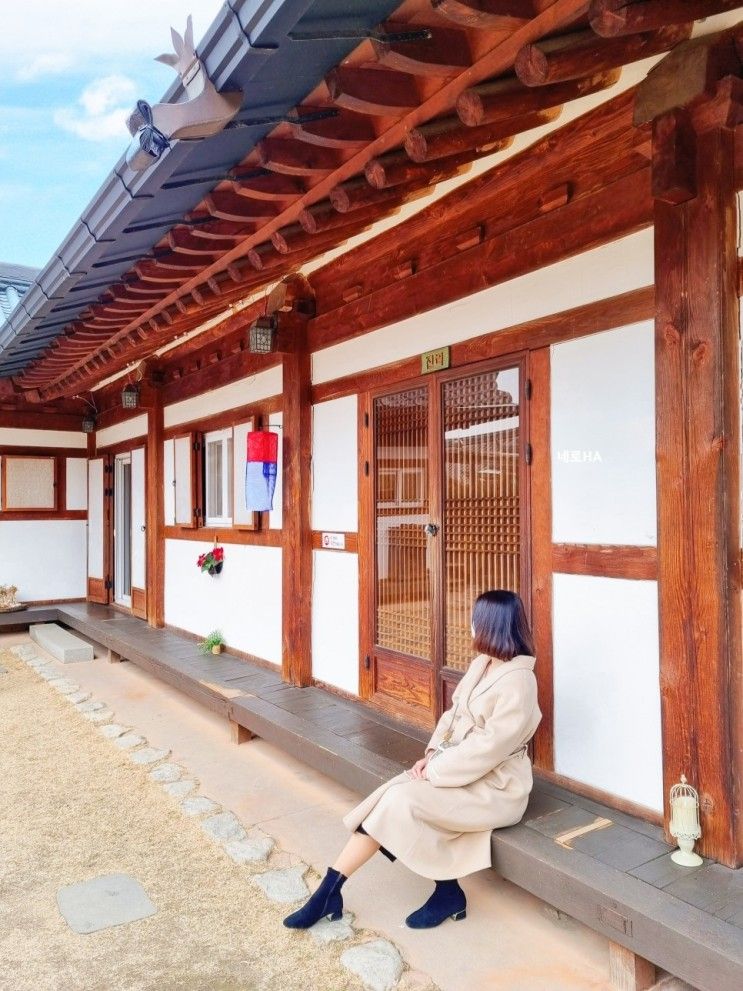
[
  {"x": 431, "y": 529},
  {"x": 143, "y": 528}
]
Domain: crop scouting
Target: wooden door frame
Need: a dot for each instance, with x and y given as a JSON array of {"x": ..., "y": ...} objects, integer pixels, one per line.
[
  {"x": 112, "y": 453},
  {"x": 434, "y": 383}
]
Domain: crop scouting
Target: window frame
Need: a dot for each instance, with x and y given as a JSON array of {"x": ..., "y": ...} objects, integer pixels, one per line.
[{"x": 225, "y": 438}]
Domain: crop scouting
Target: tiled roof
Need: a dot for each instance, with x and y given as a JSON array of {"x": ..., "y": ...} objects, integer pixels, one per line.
[{"x": 15, "y": 281}]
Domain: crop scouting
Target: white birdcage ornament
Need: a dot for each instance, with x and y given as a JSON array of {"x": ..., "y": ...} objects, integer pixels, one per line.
[{"x": 685, "y": 825}]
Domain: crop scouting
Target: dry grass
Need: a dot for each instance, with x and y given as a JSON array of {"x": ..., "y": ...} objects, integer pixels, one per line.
[{"x": 72, "y": 808}]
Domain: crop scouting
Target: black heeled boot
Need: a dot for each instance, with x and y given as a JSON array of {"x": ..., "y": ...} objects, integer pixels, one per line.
[
  {"x": 446, "y": 902},
  {"x": 327, "y": 900}
]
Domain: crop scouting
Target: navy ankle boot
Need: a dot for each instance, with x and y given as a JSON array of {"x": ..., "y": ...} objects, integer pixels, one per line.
[
  {"x": 446, "y": 902},
  {"x": 327, "y": 900}
]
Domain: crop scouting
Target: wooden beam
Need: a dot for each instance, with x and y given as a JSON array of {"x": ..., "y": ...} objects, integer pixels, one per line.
[
  {"x": 296, "y": 666},
  {"x": 609, "y": 18},
  {"x": 489, "y": 103},
  {"x": 378, "y": 92},
  {"x": 345, "y": 129},
  {"x": 697, "y": 366},
  {"x": 291, "y": 157},
  {"x": 396, "y": 169},
  {"x": 605, "y": 561},
  {"x": 574, "y": 56},
  {"x": 488, "y": 15},
  {"x": 445, "y": 52},
  {"x": 447, "y": 136},
  {"x": 688, "y": 76},
  {"x": 674, "y": 157},
  {"x": 155, "y": 513}
]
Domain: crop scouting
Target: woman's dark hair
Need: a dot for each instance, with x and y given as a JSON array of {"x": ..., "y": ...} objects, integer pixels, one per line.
[{"x": 500, "y": 625}]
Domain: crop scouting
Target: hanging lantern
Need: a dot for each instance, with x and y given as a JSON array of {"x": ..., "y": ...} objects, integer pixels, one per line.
[
  {"x": 260, "y": 470},
  {"x": 130, "y": 396},
  {"x": 685, "y": 825},
  {"x": 262, "y": 335},
  {"x": 88, "y": 424}
]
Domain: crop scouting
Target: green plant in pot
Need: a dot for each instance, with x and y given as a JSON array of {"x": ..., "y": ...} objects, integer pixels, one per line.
[{"x": 213, "y": 643}]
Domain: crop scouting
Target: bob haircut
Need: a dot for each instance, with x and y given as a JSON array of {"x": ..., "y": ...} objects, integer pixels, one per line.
[{"x": 500, "y": 626}]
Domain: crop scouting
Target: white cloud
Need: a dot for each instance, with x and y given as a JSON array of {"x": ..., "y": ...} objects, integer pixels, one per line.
[
  {"x": 101, "y": 109},
  {"x": 94, "y": 33},
  {"x": 46, "y": 64}
]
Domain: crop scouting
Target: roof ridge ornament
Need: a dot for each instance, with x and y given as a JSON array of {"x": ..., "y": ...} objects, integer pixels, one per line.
[{"x": 203, "y": 114}]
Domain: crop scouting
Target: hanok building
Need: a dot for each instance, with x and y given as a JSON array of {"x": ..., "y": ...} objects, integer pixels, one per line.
[{"x": 490, "y": 251}]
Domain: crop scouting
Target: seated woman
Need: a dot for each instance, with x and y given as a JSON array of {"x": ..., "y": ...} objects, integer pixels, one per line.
[{"x": 475, "y": 777}]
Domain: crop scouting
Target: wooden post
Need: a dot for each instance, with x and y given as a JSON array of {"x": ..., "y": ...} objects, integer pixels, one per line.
[
  {"x": 627, "y": 971},
  {"x": 239, "y": 734},
  {"x": 698, "y": 462},
  {"x": 155, "y": 513},
  {"x": 296, "y": 662}
]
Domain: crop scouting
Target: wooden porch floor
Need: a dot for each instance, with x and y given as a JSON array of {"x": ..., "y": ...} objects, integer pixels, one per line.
[{"x": 617, "y": 879}]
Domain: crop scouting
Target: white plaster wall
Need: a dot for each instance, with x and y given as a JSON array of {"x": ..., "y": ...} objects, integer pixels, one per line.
[
  {"x": 606, "y": 682},
  {"x": 46, "y": 559},
  {"x": 335, "y": 619},
  {"x": 244, "y": 602},
  {"x": 262, "y": 385},
  {"x": 613, "y": 268},
  {"x": 335, "y": 452},
  {"x": 603, "y": 438},
  {"x": 135, "y": 426},
  {"x": 77, "y": 483},
  {"x": 16, "y": 437}
]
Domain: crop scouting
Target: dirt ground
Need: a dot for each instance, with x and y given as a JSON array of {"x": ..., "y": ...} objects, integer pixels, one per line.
[{"x": 73, "y": 808}]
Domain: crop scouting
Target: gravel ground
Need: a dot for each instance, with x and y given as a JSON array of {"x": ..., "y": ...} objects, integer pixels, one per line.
[{"x": 74, "y": 808}]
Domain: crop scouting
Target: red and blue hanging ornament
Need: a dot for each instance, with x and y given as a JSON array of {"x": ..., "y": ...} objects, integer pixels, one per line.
[{"x": 260, "y": 470}]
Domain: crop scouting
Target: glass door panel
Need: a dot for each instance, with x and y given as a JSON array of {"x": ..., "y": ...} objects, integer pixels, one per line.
[
  {"x": 481, "y": 498},
  {"x": 123, "y": 530},
  {"x": 403, "y": 565}
]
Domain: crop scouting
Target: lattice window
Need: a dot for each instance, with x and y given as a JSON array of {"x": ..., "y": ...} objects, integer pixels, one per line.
[{"x": 29, "y": 483}]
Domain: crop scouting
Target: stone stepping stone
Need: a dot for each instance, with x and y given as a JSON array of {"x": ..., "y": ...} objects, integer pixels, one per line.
[
  {"x": 104, "y": 902},
  {"x": 224, "y": 827},
  {"x": 166, "y": 772},
  {"x": 377, "y": 963},
  {"x": 61, "y": 643},
  {"x": 149, "y": 755},
  {"x": 326, "y": 931},
  {"x": 65, "y": 687},
  {"x": 90, "y": 706},
  {"x": 112, "y": 730},
  {"x": 99, "y": 716},
  {"x": 48, "y": 673},
  {"x": 76, "y": 697},
  {"x": 284, "y": 886},
  {"x": 250, "y": 850},
  {"x": 179, "y": 789},
  {"x": 129, "y": 741},
  {"x": 198, "y": 805}
]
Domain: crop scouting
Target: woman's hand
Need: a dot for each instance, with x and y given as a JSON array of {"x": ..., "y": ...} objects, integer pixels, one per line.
[{"x": 418, "y": 770}]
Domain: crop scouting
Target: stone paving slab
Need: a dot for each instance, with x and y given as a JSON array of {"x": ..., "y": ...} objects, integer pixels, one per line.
[
  {"x": 224, "y": 827},
  {"x": 377, "y": 963},
  {"x": 198, "y": 805},
  {"x": 179, "y": 789},
  {"x": 129, "y": 740},
  {"x": 285, "y": 886},
  {"x": 166, "y": 773},
  {"x": 149, "y": 755},
  {"x": 103, "y": 902},
  {"x": 250, "y": 850},
  {"x": 114, "y": 730},
  {"x": 326, "y": 931}
]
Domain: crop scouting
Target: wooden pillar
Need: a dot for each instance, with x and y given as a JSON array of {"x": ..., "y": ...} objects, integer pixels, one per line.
[
  {"x": 155, "y": 513},
  {"x": 698, "y": 463},
  {"x": 296, "y": 660}
]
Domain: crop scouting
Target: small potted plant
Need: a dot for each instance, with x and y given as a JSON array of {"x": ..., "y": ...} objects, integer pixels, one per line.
[
  {"x": 213, "y": 644},
  {"x": 211, "y": 561}
]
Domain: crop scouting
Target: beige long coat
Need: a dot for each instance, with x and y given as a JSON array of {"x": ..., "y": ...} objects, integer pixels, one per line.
[{"x": 440, "y": 827}]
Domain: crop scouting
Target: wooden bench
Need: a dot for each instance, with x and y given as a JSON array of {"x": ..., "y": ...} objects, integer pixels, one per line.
[{"x": 617, "y": 880}]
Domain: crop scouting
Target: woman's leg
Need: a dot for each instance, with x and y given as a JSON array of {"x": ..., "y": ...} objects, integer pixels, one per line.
[{"x": 359, "y": 849}]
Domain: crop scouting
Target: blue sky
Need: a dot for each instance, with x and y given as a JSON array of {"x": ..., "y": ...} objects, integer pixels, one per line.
[{"x": 71, "y": 72}]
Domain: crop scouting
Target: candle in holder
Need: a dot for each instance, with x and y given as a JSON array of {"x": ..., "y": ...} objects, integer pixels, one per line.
[{"x": 685, "y": 825}]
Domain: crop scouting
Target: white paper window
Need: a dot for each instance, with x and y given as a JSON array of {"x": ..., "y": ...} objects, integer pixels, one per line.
[
  {"x": 218, "y": 478},
  {"x": 29, "y": 483}
]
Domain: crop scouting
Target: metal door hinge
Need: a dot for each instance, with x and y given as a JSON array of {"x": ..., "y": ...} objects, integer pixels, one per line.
[
  {"x": 528, "y": 454},
  {"x": 527, "y": 388},
  {"x": 366, "y": 468},
  {"x": 367, "y": 662},
  {"x": 366, "y": 419},
  {"x": 108, "y": 584}
]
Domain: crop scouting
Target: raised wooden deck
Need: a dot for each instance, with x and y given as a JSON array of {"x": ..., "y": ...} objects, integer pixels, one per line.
[{"x": 618, "y": 880}]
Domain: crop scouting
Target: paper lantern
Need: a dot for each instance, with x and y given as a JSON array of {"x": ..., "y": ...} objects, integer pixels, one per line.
[{"x": 260, "y": 470}]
